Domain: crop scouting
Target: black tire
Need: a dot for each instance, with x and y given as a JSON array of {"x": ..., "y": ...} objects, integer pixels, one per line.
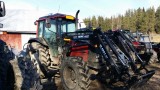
[
  {"x": 6, "y": 74},
  {"x": 17, "y": 73},
  {"x": 153, "y": 57},
  {"x": 43, "y": 56},
  {"x": 25, "y": 72},
  {"x": 74, "y": 74},
  {"x": 43, "y": 51}
]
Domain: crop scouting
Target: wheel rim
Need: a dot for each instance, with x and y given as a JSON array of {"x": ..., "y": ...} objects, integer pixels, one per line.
[{"x": 69, "y": 75}]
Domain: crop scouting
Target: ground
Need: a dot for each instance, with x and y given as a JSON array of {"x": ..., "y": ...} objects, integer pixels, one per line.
[{"x": 153, "y": 83}]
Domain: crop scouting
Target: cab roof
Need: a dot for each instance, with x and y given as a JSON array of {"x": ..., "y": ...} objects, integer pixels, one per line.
[{"x": 56, "y": 15}]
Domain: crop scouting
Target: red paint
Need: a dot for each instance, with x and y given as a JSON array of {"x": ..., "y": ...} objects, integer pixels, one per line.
[
  {"x": 81, "y": 51},
  {"x": 37, "y": 29},
  {"x": 136, "y": 44}
]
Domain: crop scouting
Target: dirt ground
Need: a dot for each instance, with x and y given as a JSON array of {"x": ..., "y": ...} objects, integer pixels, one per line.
[{"x": 153, "y": 83}]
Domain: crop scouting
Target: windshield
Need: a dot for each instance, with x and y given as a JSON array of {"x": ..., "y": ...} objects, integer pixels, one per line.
[
  {"x": 40, "y": 28},
  {"x": 144, "y": 39},
  {"x": 68, "y": 26}
]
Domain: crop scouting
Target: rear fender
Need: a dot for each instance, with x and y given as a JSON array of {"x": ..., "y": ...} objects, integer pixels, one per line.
[{"x": 39, "y": 40}]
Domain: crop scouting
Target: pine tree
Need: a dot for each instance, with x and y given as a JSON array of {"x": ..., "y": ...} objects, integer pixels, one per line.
[
  {"x": 107, "y": 24},
  {"x": 94, "y": 22},
  {"x": 119, "y": 21},
  {"x": 140, "y": 19},
  {"x": 122, "y": 22},
  {"x": 139, "y": 16},
  {"x": 132, "y": 21},
  {"x": 87, "y": 21},
  {"x": 157, "y": 24},
  {"x": 151, "y": 19},
  {"x": 126, "y": 20},
  {"x": 144, "y": 22},
  {"x": 101, "y": 22}
]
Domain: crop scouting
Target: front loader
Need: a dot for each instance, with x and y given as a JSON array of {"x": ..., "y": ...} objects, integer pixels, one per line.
[{"x": 99, "y": 52}]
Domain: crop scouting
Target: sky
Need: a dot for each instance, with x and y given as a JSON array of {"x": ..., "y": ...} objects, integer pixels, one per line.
[{"x": 88, "y": 8}]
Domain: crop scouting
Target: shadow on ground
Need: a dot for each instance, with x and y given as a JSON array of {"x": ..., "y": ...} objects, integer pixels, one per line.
[{"x": 152, "y": 84}]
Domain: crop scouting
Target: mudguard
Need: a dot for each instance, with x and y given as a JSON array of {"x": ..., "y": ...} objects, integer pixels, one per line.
[{"x": 40, "y": 40}]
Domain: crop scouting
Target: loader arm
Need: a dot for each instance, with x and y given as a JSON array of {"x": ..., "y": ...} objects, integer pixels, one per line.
[{"x": 130, "y": 45}]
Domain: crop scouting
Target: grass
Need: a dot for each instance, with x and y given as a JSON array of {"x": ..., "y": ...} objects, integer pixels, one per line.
[{"x": 155, "y": 38}]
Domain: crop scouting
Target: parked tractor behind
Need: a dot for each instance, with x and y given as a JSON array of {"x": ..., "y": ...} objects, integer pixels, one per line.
[{"x": 147, "y": 50}]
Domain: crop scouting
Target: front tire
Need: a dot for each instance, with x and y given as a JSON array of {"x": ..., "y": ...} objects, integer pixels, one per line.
[{"x": 74, "y": 74}]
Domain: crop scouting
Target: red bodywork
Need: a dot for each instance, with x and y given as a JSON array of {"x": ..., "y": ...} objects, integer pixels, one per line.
[
  {"x": 136, "y": 44},
  {"x": 79, "y": 51},
  {"x": 37, "y": 29}
]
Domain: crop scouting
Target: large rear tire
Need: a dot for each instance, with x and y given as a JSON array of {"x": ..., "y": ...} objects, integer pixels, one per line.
[
  {"x": 43, "y": 57},
  {"x": 74, "y": 74}
]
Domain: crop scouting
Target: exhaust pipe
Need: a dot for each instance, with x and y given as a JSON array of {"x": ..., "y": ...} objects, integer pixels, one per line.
[
  {"x": 76, "y": 17},
  {"x": 3, "y": 10}
]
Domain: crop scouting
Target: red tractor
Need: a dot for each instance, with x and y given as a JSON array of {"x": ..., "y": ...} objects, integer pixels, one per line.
[
  {"x": 147, "y": 50},
  {"x": 82, "y": 55}
]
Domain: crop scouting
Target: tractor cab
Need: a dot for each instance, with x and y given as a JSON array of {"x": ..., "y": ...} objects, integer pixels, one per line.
[{"x": 52, "y": 27}]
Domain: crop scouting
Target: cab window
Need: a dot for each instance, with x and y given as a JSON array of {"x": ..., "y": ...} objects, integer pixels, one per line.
[
  {"x": 50, "y": 33},
  {"x": 40, "y": 28},
  {"x": 68, "y": 26}
]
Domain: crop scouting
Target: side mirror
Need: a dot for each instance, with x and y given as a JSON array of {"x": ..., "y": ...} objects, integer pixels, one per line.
[
  {"x": 48, "y": 24},
  {"x": 35, "y": 23},
  {"x": 2, "y": 9}
]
